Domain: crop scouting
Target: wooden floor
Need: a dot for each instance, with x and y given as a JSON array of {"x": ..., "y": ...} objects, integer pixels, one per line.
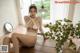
[
  {"x": 40, "y": 47},
  {"x": 37, "y": 49}
]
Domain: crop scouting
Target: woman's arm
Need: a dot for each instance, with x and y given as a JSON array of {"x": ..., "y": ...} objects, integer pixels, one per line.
[
  {"x": 27, "y": 21},
  {"x": 40, "y": 28}
]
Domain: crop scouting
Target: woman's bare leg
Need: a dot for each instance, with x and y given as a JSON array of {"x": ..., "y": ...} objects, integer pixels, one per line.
[
  {"x": 6, "y": 41},
  {"x": 26, "y": 40},
  {"x": 15, "y": 42}
]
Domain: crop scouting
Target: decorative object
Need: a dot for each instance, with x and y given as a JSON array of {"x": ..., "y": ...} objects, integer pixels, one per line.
[
  {"x": 42, "y": 10},
  {"x": 8, "y": 27}
]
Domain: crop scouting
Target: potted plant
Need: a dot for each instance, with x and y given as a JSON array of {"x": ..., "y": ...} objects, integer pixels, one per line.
[{"x": 62, "y": 31}]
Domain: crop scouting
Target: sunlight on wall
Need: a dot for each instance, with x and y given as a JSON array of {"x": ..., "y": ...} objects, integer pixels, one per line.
[{"x": 58, "y": 10}]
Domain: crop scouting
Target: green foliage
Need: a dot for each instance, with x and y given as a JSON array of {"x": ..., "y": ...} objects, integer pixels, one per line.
[{"x": 61, "y": 32}]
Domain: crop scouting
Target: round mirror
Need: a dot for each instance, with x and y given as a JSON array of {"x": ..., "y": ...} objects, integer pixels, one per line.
[{"x": 8, "y": 27}]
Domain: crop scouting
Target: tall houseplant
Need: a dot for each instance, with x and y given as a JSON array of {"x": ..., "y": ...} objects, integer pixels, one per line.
[{"x": 61, "y": 31}]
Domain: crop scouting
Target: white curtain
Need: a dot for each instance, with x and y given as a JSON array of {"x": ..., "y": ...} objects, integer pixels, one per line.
[{"x": 24, "y": 6}]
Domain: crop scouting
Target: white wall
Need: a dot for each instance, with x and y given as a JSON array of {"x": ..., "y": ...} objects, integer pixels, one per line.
[
  {"x": 59, "y": 10},
  {"x": 76, "y": 17},
  {"x": 8, "y": 14}
]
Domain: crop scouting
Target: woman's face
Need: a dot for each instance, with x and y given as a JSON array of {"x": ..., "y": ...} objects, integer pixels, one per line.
[{"x": 33, "y": 12}]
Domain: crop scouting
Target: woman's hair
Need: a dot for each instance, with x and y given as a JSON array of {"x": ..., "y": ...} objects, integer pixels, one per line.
[{"x": 32, "y": 6}]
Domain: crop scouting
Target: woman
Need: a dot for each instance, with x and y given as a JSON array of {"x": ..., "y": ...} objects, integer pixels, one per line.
[{"x": 33, "y": 23}]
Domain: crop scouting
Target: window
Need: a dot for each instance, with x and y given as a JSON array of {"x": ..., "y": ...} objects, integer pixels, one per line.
[
  {"x": 54, "y": 11},
  {"x": 46, "y": 4}
]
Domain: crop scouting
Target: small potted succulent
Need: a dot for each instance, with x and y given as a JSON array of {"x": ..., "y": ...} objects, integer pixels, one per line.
[{"x": 63, "y": 31}]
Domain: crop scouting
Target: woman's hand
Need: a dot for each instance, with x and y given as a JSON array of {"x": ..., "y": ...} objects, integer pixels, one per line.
[
  {"x": 45, "y": 38},
  {"x": 35, "y": 27}
]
